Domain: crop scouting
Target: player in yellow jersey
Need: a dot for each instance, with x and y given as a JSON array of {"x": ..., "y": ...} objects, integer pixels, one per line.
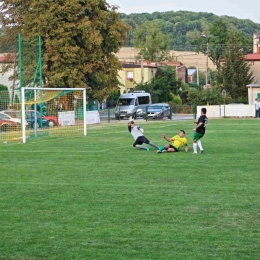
[{"x": 178, "y": 141}]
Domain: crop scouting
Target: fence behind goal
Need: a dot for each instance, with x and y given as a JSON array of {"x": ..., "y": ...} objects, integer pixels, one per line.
[{"x": 43, "y": 112}]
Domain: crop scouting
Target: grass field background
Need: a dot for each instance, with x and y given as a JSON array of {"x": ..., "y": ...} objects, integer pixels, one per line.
[{"x": 97, "y": 197}]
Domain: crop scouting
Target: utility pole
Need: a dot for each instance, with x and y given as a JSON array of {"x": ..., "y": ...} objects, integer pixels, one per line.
[
  {"x": 207, "y": 63},
  {"x": 198, "y": 81},
  {"x": 176, "y": 67},
  {"x": 207, "y": 59}
]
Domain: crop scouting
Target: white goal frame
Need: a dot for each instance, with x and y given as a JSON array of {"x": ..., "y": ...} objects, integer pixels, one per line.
[{"x": 59, "y": 89}]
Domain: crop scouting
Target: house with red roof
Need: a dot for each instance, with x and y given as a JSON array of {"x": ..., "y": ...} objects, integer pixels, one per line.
[{"x": 254, "y": 59}]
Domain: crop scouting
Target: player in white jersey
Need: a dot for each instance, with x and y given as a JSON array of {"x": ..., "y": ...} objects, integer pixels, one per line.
[{"x": 137, "y": 133}]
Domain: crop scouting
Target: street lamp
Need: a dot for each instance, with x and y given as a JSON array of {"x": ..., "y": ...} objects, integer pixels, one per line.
[
  {"x": 198, "y": 81},
  {"x": 207, "y": 60}
]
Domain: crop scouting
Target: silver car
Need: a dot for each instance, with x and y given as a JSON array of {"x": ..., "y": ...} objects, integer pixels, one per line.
[{"x": 158, "y": 110}]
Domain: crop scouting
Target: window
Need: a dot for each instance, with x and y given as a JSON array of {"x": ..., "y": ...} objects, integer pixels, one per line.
[
  {"x": 130, "y": 75},
  {"x": 4, "y": 117},
  {"x": 144, "y": 100},
  {"x": 126, "y": 101}
]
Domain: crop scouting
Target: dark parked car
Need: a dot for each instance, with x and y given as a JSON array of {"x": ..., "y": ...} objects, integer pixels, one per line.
[{"x": 158, "y": 110}]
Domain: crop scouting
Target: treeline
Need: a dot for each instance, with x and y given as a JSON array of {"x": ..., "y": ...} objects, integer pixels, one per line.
[{"x": 178, "y": 24}]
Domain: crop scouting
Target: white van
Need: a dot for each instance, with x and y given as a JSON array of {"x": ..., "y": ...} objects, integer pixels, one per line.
[{"x": 128, "y": 104}]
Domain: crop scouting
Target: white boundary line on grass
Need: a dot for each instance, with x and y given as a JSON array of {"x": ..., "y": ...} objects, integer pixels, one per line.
[{"x": 72, "y": 152}]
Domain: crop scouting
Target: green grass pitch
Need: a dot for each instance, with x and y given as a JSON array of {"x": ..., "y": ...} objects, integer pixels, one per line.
[{"x": 97, "y": 197}]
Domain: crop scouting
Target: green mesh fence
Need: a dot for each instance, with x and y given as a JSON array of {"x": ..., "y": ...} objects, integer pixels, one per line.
[{"x": 47, "y": 113}]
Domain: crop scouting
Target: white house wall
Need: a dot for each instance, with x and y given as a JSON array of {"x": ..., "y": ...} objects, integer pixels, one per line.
[
  {"x": 253, "y": 94},
  {"x": 256, "y": 71},
  {"x": 5, "y": 81}
]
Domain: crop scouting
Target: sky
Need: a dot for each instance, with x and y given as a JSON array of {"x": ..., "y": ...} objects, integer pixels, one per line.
[{"x": 241, "y": 9}]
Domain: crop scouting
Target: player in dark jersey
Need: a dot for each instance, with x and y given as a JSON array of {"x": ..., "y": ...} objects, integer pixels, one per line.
[{"x": 199, "y": 131}]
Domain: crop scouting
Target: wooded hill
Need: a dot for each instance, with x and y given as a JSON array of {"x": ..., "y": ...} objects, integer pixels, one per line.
[{"x": 178, "y": 24}]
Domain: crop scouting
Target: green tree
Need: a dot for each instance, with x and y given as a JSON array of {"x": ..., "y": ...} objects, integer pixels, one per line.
[
  {"x": 206, "y": 96},
  {"x": 79, "y": 40},
  {"x": 162, "y": 86},
  {"x": 178, "y": 25},
  {"x": 182, "y": 92},
  {"x": 218, "y": 39},
  {"x": 175, "y": 99},
  {"x": 212, "y": 41},
  {"x": 215, "y": 39},
  {"x": 224, "y": 44},
  {"x": 113, "y": 97},
  {"x": 150, "y": 42},
  {"x": 234, "y": 73},
  {"x": 16, "y": 99}
]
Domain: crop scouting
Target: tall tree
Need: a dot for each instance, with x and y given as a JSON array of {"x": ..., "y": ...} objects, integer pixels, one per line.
[
  {"x": 215, "y": 40},
  {"x": 151, "y": 43},
  {"x": 226, "y": 45},
  {"x": 207, "y": 96},
  {"x": 79, "y": 40},
  {"x": 234, "y": 73},
  {"x": 212, "y": 41},
  {"x": 162, "y": 85}
]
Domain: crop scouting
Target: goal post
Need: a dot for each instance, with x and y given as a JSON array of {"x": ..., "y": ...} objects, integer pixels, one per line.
[{"x": 53, "y": 112}]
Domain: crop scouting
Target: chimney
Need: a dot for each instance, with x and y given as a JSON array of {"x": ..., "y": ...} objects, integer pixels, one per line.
[{"x": 256, "y": 42}]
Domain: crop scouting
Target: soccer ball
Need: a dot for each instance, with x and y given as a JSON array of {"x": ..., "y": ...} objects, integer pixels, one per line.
[{"x": 139, "y": 111}]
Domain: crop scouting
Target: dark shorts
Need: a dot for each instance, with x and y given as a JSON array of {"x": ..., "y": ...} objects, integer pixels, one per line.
[
  {"x": 140, "y": 140},
  {"x": 175, "y": 149}
]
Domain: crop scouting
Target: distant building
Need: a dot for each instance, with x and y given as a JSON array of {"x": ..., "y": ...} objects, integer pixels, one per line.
[
  {"x": 191, "y": 74},
  {"x": 254, "y": 58},
  {"x": 133, "y": 73}
]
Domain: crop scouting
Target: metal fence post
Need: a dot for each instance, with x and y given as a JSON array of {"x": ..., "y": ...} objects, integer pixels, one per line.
[
  {"x": 170, "y": 113},
  {"x": 194, "y": 112}
]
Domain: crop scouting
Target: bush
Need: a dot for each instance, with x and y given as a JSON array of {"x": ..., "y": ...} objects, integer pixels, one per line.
[
  {"x": 175, "y": 99},
  {"x": 181, "y": 109}
]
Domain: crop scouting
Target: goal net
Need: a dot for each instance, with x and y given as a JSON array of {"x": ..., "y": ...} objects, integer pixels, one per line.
[{"x": 44, "y": 112}]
